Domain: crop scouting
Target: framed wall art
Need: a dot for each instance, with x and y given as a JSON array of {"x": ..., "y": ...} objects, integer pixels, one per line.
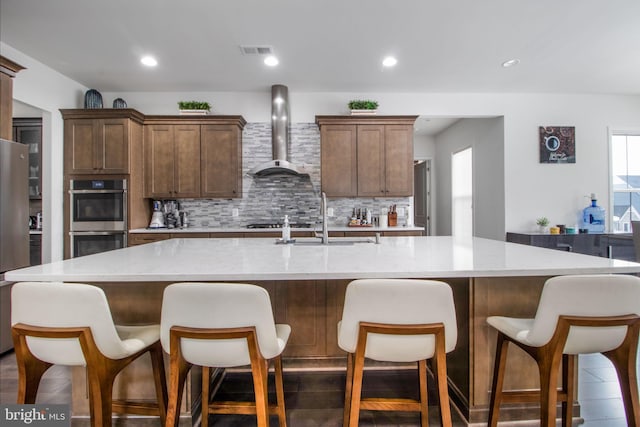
[{"x": 557, "y": 144}]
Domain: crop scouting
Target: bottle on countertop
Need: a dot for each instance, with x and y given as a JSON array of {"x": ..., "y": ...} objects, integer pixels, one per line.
[
  {"x": 593, "y": 217},
  {"x": 286, "y": 229}
]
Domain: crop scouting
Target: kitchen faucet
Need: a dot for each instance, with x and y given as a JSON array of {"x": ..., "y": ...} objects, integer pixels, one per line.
[{"x": 325, "y": 226}]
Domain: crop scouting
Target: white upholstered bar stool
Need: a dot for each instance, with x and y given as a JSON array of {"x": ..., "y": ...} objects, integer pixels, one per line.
[
  {"x": 222, "y": 325},
  {"x": 576, "y": 315},
  {"x": 397, "y": 320},
  {"x": 71, "y": 324}
]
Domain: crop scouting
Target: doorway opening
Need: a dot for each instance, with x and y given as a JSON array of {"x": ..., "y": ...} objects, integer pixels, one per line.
[
  {"x": 422, "y": 195},
  {"x": 462, "y": 193}
]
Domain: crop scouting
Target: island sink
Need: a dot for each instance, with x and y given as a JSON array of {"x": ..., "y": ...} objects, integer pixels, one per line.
[{"x": 330, "y": 242}]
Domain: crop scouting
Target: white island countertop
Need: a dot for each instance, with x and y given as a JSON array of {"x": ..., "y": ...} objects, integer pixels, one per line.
[
  {"x": 258, "y": 259},
  {"x": 270, "y": 230}
]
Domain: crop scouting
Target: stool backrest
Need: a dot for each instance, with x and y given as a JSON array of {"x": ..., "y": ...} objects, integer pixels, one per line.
[
  {"x": 399, "y": 302},
  {"x": 585, "y": 295},
  {"x": 64, "y": 305},
  {"x": 219, "y": 306}
]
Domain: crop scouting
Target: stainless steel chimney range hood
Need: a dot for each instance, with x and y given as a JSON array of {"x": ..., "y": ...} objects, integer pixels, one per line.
[{"x": 280, "y": 164}]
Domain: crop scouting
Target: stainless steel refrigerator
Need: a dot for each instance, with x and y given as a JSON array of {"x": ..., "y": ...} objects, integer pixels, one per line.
[{"x": 14, "y": 224}]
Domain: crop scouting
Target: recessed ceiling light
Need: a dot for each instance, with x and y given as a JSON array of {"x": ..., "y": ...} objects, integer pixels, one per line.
[
  {"x": 271, "y": 61},
  {"x": 389, "y": 61},
  {"x": 149, "y": 61},
  {"x": 510, "y": 63}
]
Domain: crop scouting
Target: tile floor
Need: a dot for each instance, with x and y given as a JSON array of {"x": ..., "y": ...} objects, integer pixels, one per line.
[{"x": 316, "y": 398}]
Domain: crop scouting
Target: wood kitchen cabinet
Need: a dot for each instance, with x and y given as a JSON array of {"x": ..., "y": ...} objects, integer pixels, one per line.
[
  {"x": 338, "y": 161},
  {"x": 8, "y": 70},
  {"x": 194, "y": 157},
  {"x": 221, "y": 161},
  {"x": 172, "y": 161},
  {"x": 28, "y": 131},
  {"x": 99, "y": 141},
  {"x": 366, "y": 156}
]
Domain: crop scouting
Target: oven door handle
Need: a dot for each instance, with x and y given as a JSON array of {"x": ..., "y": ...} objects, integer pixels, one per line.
[
  {"x": 96, "y": 233},
  {"x": 97, "y": 191}
]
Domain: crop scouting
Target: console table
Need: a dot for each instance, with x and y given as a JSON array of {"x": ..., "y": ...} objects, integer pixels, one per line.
[{"x": 607, "y": 245}]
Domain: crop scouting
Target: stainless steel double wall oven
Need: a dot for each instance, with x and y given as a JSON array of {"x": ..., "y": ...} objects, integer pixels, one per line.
[{"x": 98, "y": 215}]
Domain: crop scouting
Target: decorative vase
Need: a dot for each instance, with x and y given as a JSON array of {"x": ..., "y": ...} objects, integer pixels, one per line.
[
  {"x": 119, "y": 103},
  {"x": 92, "y": 99},
  {"x": 543, "y": 229}
]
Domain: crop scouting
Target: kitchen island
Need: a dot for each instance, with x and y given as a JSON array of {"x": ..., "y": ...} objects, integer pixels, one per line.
[{"x": 306, "y": 282}]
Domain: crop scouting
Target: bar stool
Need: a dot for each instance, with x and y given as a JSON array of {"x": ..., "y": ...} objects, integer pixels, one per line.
[
  {"x": 222, "y": 325},
  {"x": 576, "y": 315},
  {"x": 71, "y": 324},
  {"x": 397, "y": 320}
]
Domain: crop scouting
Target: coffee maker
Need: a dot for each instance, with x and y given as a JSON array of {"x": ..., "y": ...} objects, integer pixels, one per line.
[{"x": 157, "y": 217}]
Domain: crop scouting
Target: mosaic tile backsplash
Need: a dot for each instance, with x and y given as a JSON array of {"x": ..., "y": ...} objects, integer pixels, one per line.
[{"x": 268, "y": 199}]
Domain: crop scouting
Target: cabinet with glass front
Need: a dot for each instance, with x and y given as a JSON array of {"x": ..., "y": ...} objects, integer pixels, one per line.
[{"x": 28, "y": 131}]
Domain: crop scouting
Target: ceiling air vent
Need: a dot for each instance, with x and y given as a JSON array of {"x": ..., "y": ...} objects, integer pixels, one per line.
[{"x": 256, "y": 50}]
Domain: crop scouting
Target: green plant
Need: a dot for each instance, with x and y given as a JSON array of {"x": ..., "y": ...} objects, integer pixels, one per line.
[
  {"x": 366, "y": 104},
  {"x": 542, "y": 221},
  {"x": 194, "y": 105}
]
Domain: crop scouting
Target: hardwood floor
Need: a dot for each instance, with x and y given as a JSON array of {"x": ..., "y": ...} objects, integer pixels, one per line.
[{"x": 316, "y": 398}]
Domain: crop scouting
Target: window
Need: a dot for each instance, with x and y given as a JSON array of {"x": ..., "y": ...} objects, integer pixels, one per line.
[{"x": 625, "y": 180}]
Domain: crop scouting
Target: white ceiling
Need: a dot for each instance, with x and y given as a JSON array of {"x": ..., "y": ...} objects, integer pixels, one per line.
[{"x": 567, "y": 46}]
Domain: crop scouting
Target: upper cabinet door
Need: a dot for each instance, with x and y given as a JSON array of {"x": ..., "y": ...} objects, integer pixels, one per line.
[
  {"x": 398, "y": 149},
  {"x": 112, "y": 146},
  {"x": 187, "y": 161},
  {"x": 159, "y": 161},
  {"x": 338, "y": 163},
  {"x": 79, "y": 146},
  {"x": 221, "y": 161},
  {"x": 371, "y": 161}
]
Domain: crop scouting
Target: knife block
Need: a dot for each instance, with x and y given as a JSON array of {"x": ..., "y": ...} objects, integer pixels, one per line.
[{"x": 393, "y": 219}]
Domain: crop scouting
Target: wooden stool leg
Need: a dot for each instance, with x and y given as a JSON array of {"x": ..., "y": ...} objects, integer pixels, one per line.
[
  {"x": 282, "y": 415},
  {"x": 206, "y": 372},
  {"x": 568, "y": 381},
  {"x": 179, "y": 369},
  {"x": 440, "y": 372},
  {"x": 624, "y": 359},
  {"x": 356, "y": 389},
  {"x": 160, "y": 379},
  {"x": 347, "y": 391},
  {"x": 100, "y": 395},
  {"x": 498, "y": 380},
  {"x": 424, "y": 399},
  {"x": 258, "y": 371},
  {"x": 29, "y": 376},
  {"x": 548, "y": 366},
  {"x": 30, "y": 369}
]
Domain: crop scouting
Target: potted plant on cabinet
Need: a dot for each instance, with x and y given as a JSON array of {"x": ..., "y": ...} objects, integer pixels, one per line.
[
  {"x": 360, "y": 107},
  {"x": 194, "y": 107},
  {"x": 543, "y": 224}
]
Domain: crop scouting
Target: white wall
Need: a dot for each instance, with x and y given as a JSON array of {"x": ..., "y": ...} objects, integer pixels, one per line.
[
  {"x": 531, "y": 189},
  {"x": 486, "y": 137},
  {"x": 424, "y": 147},
  {"x": 45, "y": 89}
]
